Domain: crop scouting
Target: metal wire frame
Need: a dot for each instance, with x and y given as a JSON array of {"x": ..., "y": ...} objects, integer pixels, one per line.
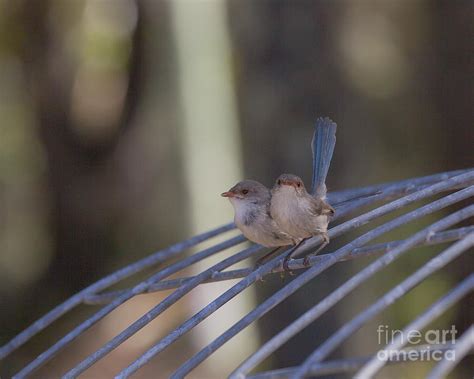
[
  {"x": 287, "y": 290},
  {"x": 339, "y": 366},
  {"x": 346, "y": 201},
  {"x": 247, "y": 281},
  {"x": 179, "y": 248},
  {"x": 294, "y": 265},
  {"x": 317, "y": 269},
  {"x": 337, "y": 338},
  {"x": 174, "y": 250},
  {"x": 54, "y": 314},
  {"x": 337, "y": 295},
  {"x": 461, "y": 349},
  {"x": 435, "y": 310}
]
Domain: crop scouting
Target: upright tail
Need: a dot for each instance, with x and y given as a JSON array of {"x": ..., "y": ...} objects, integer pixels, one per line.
[{"x": 322, "y": 145}]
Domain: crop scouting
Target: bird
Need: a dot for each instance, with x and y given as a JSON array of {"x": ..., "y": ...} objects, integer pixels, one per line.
[
  {"x": 251, "y": 202},
  {"x": 298, "y": 213}
]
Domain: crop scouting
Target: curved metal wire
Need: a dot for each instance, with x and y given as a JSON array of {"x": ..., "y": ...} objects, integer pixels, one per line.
[
  {"x": 334, "y": 297},
  {"x": 461, "y": 349},
  {"x": 281, "y": 294},
  {"x": 294, "y": 265},
  {"x": 354, "y": 281},
  {"x": 397, "y": 194},
  {"x": 339, "y": 366},
  {"x": 159, "y": 256},
  {"x": 435, "y": 310},
  {"x": 298, "y": 282},
  {"x": 337, "y": 338},
  {"x": 176, "y": 249},
  {"x": 165, "y": 304}
]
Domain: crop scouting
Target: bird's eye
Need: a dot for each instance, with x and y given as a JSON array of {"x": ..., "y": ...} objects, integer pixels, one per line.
[
  {"x": 245, "y": 192},
  {"x": 298, "y": 184},
  {"x": 279, "y": 182}
]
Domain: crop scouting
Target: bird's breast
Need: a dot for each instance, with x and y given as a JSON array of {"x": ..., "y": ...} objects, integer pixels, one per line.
[
  {"x": 246, "y": 214},
  {"x": 284, "y": 205}
]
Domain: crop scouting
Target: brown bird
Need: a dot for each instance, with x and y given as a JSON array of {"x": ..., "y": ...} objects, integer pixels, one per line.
[
  {"x": 251, "y": 202},
  {"x": 297, "y": 212}
]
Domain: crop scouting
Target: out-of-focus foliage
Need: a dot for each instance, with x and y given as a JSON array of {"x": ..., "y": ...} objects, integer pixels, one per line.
[{"x": 121, "y": 121}]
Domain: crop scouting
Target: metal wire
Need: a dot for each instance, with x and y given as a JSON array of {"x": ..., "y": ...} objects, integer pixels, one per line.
[
  {"x": 298, "y": 282},
  {"x": 316, "y": 270},
  {"x": 336, "y": 339},
  {"x": 159, "y": 256},
  {"x": 339, "y": 366},
  {"x": 295, "y": 264},
  {"x": 346, "y": 202},
  {"x": 461, "y": 349},
  {"x": 435, "y": 310},
  {"x": 152, "y": 314},
  {"x": 289, "y": 289},
  {"x": 146, "y": 318},
  {"x": 334, "y": 297}
]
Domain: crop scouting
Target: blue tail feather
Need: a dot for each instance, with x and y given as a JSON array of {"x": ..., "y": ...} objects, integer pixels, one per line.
[{"x": 322, "y": 145}]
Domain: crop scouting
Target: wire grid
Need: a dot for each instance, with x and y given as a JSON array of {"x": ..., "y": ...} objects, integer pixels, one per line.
[{"x": 454, "y": 186}]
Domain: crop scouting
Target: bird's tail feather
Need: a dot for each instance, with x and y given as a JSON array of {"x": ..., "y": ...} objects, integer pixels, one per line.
[{"x": 322, "y": 145}]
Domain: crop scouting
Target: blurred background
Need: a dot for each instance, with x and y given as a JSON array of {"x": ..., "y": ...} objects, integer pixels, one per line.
[{"x": 122, "y": 121}]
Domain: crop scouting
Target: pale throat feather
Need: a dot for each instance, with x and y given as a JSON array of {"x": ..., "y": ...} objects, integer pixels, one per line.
[
  {"x": 245, "y": 212},
  {"x": 285, "y": 202}
]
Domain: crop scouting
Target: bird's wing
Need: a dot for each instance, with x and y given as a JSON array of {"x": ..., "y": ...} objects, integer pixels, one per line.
[
  {"x": 319, "y": 207},
  {"x": 327, "y": 209}
]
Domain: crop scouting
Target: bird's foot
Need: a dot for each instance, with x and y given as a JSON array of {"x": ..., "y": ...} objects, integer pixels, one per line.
[
  {"x": 306, "y": 261},
  {"x": 286, "y": 267}
]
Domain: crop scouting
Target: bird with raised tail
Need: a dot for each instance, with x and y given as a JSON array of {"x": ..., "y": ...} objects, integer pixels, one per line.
[{"x": 298, "y": 213}]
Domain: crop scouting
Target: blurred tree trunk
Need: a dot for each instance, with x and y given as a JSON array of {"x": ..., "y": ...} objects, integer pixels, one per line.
[
  {"x": 82, "y": 174},
  {"x": 82, "y": 177}
]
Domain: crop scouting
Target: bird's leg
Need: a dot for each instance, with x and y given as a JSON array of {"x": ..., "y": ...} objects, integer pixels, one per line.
[
  {"x": 290, "y": 255},
  {"x": 322, "y": 246},
  {"x": 262, "y": 260}
]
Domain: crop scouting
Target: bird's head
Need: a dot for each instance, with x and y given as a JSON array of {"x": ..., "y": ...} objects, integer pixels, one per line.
[
  {"x": 247, "y": 191},
  {"x": 290, "y": 182}
]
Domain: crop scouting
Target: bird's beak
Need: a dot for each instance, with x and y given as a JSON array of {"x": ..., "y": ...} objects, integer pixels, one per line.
[
  {"x": 288, "y": 183},
  {"x": 227, "y": 194}
]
